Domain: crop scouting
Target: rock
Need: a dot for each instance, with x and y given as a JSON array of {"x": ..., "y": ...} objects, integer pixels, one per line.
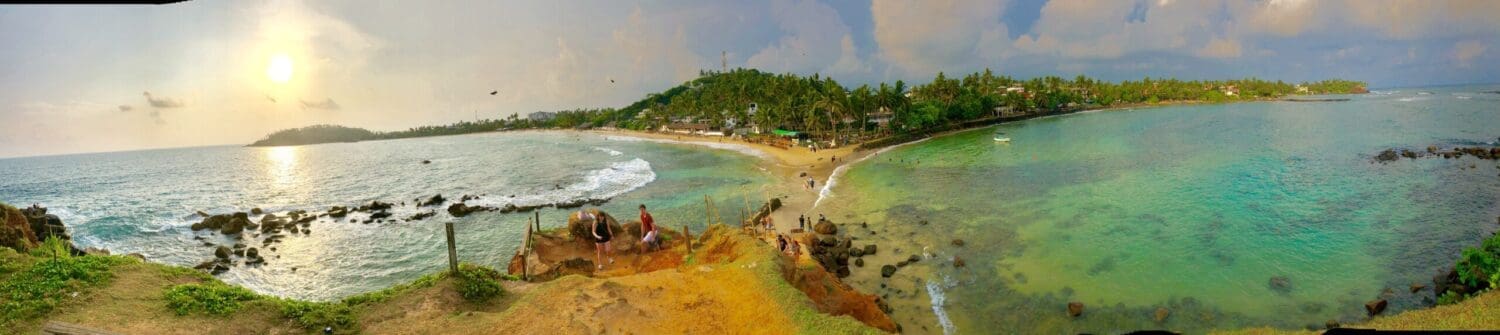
[
  {"x": 958, "y": 242},
  {"x": 775, "y": 203},
  {"x": 1408, "y": 153},
  {"x": 1281, "y": 284},
  {"x": 424, "y": 161},
  {"x": 460, "y": 210},
  {"x": 1417, "y": 287},
  {"x": 219, "y": 268},
  {"x": 1386, "y": 156},
  {"x": 222, "y": 252},
  {"x": 860, "y": 262},
  {"x": 1375, "y": 306},
  {"x": 887, "y": 271},
  {"x": 1331, "y": 324},
  {"x": 856, "y": 252},
  {"x": 236, "y": 224},
  {"x": 434, "y": 201},
  {"x": 212, "y": 222},
  {"x": 913, "y": 259},
  {"x": 422, "y": 215},
  {"x": 380, "y": 215},
  {"x": 15, "y": 230},
  {"x": 338, "y": 211},
  {"x": 252, "y": 253},
  {"x": 1431, "y": 149},
  {"x": 825, "y": 228},
  {"x": 842, "y": 272},
  {"x": 256, "y": 211},
  {"x": 205, "y": 265},
  {"x": 1075, "y": 309},
  {"x": 869, "y": 250},
  {"x": 1161, "y": 314},
  {"x": 958, "y": 262}
]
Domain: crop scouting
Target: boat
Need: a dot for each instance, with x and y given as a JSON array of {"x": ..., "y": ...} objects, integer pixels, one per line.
[{"x": 1000, "y": 137}]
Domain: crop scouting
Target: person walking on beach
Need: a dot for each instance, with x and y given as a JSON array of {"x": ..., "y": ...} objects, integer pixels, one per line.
[
  {"x": 802, "y": 221},
  {"x": 648, "y": 229},
  {"x": 602, "y": 234}
]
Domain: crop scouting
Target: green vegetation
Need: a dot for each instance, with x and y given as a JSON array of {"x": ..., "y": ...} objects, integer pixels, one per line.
[
  {"x": 829, "y": 111},
  {"x": 36, "y": 289},
  {"x": 213, "y": 298},
  {"x": 1478, "y": 268},
  {"x": 477, "y": 283},
  {"x": 317, "y": 315}
]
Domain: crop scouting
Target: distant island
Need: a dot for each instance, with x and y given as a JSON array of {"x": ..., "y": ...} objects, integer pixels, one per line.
[{"x": 819, "y": 109}]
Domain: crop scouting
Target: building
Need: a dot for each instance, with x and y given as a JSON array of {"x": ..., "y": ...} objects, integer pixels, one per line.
[
  {"x": 688, "y": 128},
  {"x": 882, "y": 117}
]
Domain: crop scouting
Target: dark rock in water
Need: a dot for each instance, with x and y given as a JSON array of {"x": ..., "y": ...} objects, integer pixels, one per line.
[
  {"x": 222, "y": 252},
  {"x": 860, "y": 262},
  {"x": 434, "y": 201},
  {"x": 252, "y": 253},
  {"x": 461, "y": 209},
  {"x": 219, "y": 268},
  {"x": 856, "y": 252},
  {"x": 958, "y": 242},
  {"x": 1281, "y": 284},
  {"x": 424, "y": 161},
  {"x": 1161, "y": 314},
  {"x": 825, "y": 227},
  {"x": 843, "y": 271},
  {"x": 775, "y": 203},
  {"x": 236, "y": 224},
  {"x": 338, "y": 211},
  {"x": 1075, "y": 309},
  {"x": 201, "y": 214},
  {"x": 375, "y": 206},
  {"x": 212, "y": 222},
  {"x": 870, "y": 250},
  {"x": 1331, "y": 324},
  {"x": 1431, "y": 149},
  {"x": 887, "y": 271},
  {"x": 256, "y": 211},
  {"x": 958, "y": 262},
  {"x": 1417, "y": 287},
  {"x": 828, "y": 241},
  {"x": 1409, "y": 153},
  {"x": 205, "y": 265},
  {"x": 924, "y": 222},
  {"x": 380, "y": 215},
  {"x": 422, "y": 215},
  {"x": 1387, "y": 155},
  {"x": 1375, "y": 306},
  {"x": 913, "y": 259}
]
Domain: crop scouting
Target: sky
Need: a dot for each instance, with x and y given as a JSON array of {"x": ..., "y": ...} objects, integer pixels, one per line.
[{"x": 108, "y": 78}]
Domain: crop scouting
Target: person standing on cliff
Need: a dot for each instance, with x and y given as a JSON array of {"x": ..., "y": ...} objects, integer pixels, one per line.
[
  {"x": 648, "y": 229},
  {"x": 602, "y": 234}
]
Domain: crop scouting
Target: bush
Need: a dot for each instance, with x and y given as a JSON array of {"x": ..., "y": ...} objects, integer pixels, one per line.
[
  {"x": 477, "y": 283},
  {"x": 1479, "y": 267},
  {"x": 212, "y": 298},
  {"x": 53, "y": 247},
  {"x": 1449, "y": 298},
  {"x": 34, "y": 291},
  {"x": 317, "y": 315}
]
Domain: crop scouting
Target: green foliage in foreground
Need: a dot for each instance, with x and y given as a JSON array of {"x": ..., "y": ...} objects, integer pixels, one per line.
[
  {"x": 34, "y": 291},
  {"x": 213, "y": 298},
  {"x": 316, "y": 315},
  {"x": 477, "y": 283},
  {"x": 1478, "y": 268}
]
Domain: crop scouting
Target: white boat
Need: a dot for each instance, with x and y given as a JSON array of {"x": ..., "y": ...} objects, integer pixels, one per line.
[{"x": 1002, "y": 138}]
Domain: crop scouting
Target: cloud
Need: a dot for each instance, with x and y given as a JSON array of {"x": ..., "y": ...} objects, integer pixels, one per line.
[
  {"x": 162, "y": 102},
  {"x": 324, "y": 105},
  {"x": 1465, "y": 52},
  {"x": 923, "y": 37},
  {"x": 126, "y": 108},
  {"x": 156, "y": 117},
  {"x": 849, "y": 61},
  {"x": 815, "y": 38},
  {"x": 1220, "y": 48}
]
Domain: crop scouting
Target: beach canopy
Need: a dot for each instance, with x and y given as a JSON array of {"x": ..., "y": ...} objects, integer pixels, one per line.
[{"x": 784, "y": 132}]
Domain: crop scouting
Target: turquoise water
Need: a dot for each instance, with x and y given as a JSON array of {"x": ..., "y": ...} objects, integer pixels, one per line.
[
  {"x": 144, "y": 201},
  {"x": 1191, "y": 208}
]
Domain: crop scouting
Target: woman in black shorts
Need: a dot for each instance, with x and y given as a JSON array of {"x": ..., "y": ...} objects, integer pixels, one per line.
[{"x": 602, "y": 234}]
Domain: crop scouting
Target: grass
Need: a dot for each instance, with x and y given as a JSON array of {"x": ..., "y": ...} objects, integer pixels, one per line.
[
  {"x": 477, "y": 283},
  {"x": 212, "y": 298},
  {"x": 31, "y": 291}
]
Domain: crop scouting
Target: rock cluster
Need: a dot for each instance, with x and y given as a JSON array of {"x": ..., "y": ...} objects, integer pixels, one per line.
[
  {"x": 833, "y": 251},
  {"x": 1487, "y": 153}
]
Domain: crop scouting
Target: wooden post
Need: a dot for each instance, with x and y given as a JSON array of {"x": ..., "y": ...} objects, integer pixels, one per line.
[
  {"x": 525, "y": 252},
  {"x": 687, "y": 236},
  {"x": 452, "y": 250},
  {"x": 538, "y": 222}
]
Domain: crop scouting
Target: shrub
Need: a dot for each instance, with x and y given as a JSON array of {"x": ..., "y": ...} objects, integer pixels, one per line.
[
  {"x": 477, "y": 283},
  {"x": 1478, "y": 266},
  {"x": 211, "y": 298},
  {"x": 317, "y": 315},
  {"x": 53, "y": 247},
  {"x": 1449, "y": 298},
  {"x": 34, "y": 291}
]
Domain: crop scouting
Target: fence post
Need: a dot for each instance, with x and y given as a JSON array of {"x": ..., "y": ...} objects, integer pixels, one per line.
[
  {"x": 525, "y": 253},
  {"x": 538, "y": 222},
  {"x": 452, "y": 251},
  {"x": 688, "y": 237}
]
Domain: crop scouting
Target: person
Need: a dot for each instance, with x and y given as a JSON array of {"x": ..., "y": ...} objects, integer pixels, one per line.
[
  {"x": 602, "y": 234},
  {"x": 769, "y": 226},
  {"x": 796, "y": 247},
  {"x": 781, "y": 243},
  {"x": 648, "y": 229},
  {"x": 802, "y": 221}
]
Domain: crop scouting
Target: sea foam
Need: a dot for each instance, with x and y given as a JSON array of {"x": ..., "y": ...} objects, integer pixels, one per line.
[{"x": 833, "y": 178}]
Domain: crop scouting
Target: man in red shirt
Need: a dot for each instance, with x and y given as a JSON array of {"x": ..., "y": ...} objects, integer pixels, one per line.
[{"x": 648, "y": 228}]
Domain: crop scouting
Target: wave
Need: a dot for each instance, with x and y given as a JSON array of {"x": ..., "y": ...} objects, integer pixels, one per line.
[
  {"x": 614, "y": 180},
  {"x": 740, "y": 148},
  {"x": 611, "y": 152},
  {"x": 935, "y": 292},
  {"x": 833, "y": 178}
]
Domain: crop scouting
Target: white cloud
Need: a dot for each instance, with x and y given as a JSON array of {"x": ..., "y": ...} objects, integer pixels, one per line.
[
  {"x": 1465, "y": 52},
  {"x": 162, "y": 102},
  {"x": 815, "y": 39},
  {"x": 924, "y": 37},
  {"x": 1220, "y": 48},
  {"x": 849, "y": 61}
]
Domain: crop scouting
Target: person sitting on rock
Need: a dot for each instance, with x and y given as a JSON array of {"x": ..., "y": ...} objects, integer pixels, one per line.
[
  {"x": 602, "y": 234},
  {"x": 781, "y": 243},
  {"x": 648, "y": 229}
]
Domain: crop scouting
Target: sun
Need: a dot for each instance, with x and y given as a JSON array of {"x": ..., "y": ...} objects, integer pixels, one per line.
[{"x": 280, "y": 68}]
